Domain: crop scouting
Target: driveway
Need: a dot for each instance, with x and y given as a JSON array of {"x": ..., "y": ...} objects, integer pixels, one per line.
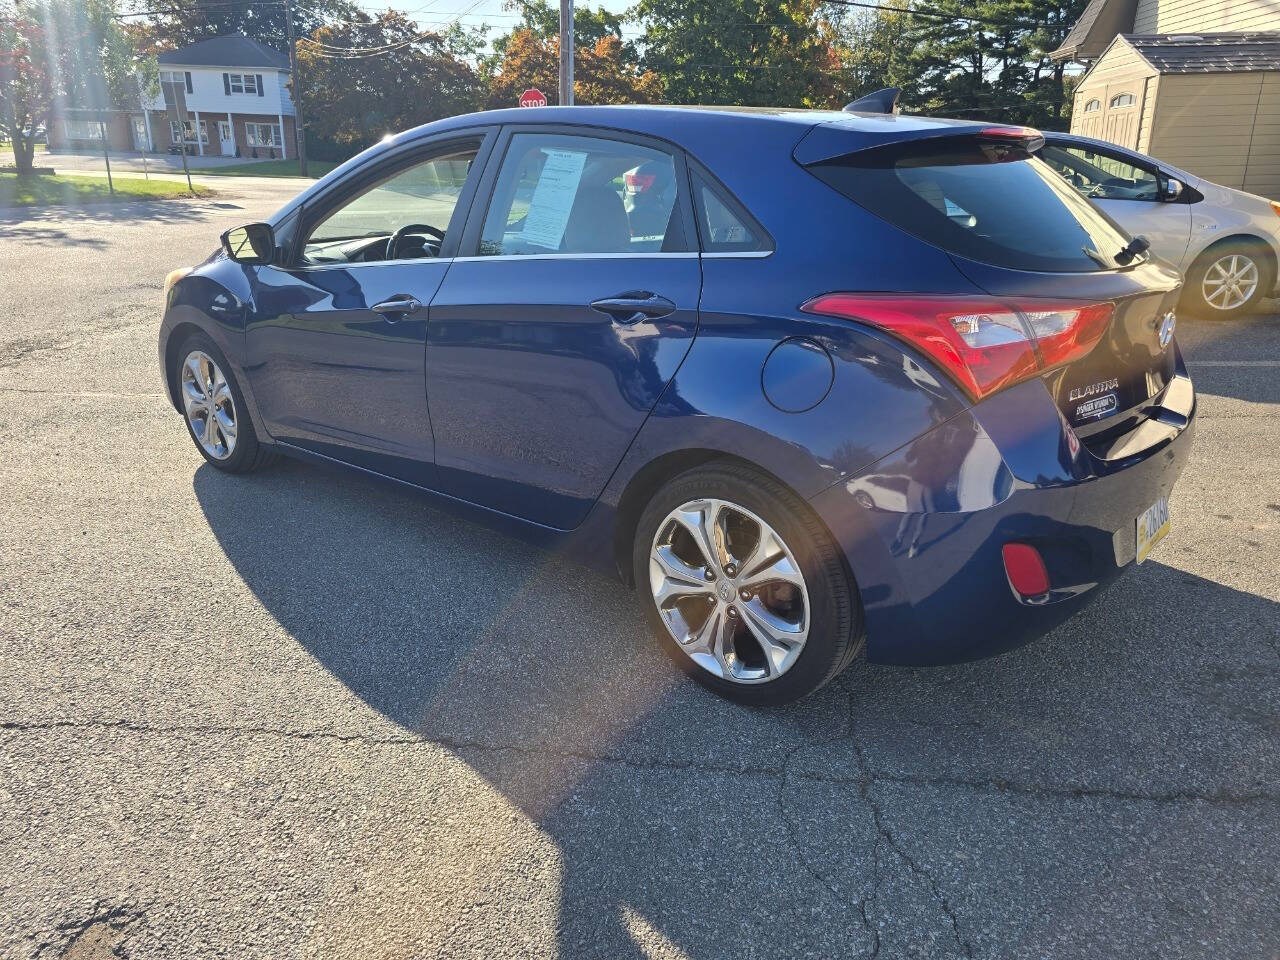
[{"x": 302, "y": 714}]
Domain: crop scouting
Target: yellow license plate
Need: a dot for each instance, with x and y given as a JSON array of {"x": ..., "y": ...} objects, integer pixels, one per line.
[{"x": 1153, "y": 524}]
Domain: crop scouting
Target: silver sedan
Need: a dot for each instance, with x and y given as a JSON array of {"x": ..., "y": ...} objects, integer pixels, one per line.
[{"x": 1226, "y": 241}]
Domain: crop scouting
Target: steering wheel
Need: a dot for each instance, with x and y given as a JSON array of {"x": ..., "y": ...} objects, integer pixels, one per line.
[
  {"x": 410, "y": 229},
  {"x": 1103, "y": 189}
]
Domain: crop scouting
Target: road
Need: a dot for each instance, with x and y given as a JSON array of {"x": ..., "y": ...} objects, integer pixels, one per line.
[{"x": 297, "y": 714}]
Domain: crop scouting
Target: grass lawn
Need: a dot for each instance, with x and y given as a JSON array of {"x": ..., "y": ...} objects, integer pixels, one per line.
[
  {"x": 267, "y": 168},
  {"x": 33, "y": 191}
]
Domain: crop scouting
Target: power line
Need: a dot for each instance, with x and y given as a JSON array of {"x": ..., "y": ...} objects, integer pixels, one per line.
[
  {"x": 335, "y": 52},
  {"x": 934, "y": 14}
]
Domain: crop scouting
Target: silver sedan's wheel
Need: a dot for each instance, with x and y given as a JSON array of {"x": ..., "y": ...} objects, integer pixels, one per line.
[
  {"x": 210, "y": 408},
  {"x": 729, "y": 591},
  {"x": 1230, "y": 281}
]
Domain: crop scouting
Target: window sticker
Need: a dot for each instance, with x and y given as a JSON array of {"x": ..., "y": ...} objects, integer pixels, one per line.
[{"x": 553, "y": 198}]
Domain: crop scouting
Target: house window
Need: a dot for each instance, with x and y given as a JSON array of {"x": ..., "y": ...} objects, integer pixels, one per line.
[
  {"x": 1123, "y": 100},
  {"x": 180, "y": 77},
  {"x": 242, "y": 83},
  {"x": 263, "y": 134},
  {"x": 1093, "y": 105},
  {"x": 84, "y": 130},
  {"x": 188, "y": 132}
]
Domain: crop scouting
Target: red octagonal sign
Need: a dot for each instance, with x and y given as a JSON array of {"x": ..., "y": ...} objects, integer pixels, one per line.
[{"x": 533, "y": 97}]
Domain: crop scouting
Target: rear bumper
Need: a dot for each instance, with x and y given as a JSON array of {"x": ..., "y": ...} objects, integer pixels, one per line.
[{"x": 923, "y": 528}]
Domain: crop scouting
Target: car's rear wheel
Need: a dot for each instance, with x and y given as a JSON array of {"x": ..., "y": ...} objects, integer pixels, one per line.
[
  {"x": 1228, "y": 280},
  {"x": 744, "y": 586},
  {"x": 214, "y": 408}
]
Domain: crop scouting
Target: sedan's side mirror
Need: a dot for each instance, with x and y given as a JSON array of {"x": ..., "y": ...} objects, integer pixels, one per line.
[
  {"x": 1172, "y": 189},
  {"x": 252, "y": 243}
]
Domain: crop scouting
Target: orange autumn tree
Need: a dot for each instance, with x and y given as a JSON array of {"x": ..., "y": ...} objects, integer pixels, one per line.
[{"x": 602, "y": 74}]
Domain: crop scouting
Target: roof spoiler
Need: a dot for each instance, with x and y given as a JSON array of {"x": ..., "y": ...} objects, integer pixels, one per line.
[{"x": 882, "y": 101}]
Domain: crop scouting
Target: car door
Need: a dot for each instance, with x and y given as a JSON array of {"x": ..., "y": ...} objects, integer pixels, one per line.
[
  {"x": 551, "y": 341},
  {"x": 336, "y": 344},
  {"x": 1132, "y": 193}
]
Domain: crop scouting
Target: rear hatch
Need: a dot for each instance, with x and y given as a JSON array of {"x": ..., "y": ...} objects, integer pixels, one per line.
[{"x": 1025, "y": 237}]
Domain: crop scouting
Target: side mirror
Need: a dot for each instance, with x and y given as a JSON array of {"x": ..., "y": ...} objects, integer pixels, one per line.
[
  {"x": 1172, "y": 189},
  {"x": 252, "y": 243}
]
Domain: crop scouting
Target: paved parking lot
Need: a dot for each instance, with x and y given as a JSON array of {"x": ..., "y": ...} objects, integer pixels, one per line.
[{"x": 300, "y": 714}]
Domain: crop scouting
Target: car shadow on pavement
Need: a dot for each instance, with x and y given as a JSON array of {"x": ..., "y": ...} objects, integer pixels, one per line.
[{"x": 814, "y": 829}]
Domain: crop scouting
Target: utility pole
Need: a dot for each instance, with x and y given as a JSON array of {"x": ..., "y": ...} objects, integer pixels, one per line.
[
  {"x": 299, "y": 128},
  {"x": 566, "y": 53}
]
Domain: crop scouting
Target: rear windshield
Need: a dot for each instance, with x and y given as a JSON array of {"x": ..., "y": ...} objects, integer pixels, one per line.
[{"x": 986, "y": 201}]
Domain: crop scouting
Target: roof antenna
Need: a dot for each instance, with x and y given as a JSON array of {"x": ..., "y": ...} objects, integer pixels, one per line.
[{"x": 882, "y": 101}]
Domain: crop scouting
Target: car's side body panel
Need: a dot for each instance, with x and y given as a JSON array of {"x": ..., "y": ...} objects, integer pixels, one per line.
[{"x": 534, "y": 395}]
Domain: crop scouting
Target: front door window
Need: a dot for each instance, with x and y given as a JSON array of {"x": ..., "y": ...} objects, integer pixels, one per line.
[
  {"x": 1101, "y": 176},
  {"x": 403, "y": 217}
]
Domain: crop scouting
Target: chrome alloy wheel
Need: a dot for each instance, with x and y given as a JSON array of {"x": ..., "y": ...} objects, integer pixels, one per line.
[
  {"x": 211, "y": 411},
  {"x": 729, "y": 591},
  {"x": 1230, "y": 281}
]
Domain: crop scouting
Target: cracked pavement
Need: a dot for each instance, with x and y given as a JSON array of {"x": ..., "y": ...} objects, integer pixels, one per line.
[{"x": 298, "y": 714}]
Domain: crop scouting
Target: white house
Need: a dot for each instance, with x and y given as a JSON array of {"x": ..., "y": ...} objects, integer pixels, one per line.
[{"x": 232, "y": 95}]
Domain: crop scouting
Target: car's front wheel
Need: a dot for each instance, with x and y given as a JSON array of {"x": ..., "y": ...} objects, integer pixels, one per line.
[
  {"x": 744, "y": 586},
  {"x": 1228, "y": 280},
  {"x": 214, "y": 408}
]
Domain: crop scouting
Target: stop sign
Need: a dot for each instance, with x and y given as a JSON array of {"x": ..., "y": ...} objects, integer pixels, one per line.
[{"x": 533, "y": 97}]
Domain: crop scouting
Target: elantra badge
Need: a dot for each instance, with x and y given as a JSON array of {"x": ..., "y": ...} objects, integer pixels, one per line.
[
  {"x": 1167, "y": 323},
  {"x": 1092, "y": 390}
]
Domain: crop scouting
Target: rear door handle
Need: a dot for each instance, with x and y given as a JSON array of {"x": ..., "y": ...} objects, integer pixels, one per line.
[
  {"x": 396, "y": 307},
  {"x": 634, "y": 306}
]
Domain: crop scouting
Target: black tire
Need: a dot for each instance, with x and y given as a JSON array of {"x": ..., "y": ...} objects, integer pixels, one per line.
[
  {"x": 835, "y": 617},
  {"x": 1193, "y": 295},
  {"x": 248, "y": 453}
]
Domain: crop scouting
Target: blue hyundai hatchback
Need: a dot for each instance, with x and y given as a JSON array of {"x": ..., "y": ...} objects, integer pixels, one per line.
[{"x": 816, "y": 383}]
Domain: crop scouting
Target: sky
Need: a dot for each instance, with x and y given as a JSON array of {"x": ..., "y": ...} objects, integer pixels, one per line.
[{"x": 440, "y": 13}]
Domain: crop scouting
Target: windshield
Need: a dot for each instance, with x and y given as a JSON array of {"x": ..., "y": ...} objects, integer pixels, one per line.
[{"x": 991, "y": 202}]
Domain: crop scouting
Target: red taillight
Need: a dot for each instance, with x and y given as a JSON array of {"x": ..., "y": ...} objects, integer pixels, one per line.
[
  {"x": 638, "y": 182},
  {"x": 982, "y": 343},
  {"x": 1026, "y": 570}
]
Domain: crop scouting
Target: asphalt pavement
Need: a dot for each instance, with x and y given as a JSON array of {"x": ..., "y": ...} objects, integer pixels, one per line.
[{"x": 299, "y": 714}]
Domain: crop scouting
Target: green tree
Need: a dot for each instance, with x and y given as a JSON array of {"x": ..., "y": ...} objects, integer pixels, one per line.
[
  {"x": 968, "y": 58},
  {"x": 878, "y": 50},
  {"x": 542, "y": 20},
  {"x": 751, "y": 52},
  {"x": 602, "y": 71},
  {"x": 182, "y": 22},
  {"x": 366, "y": 77},
  {"x": 26, "y": 86},
  {"x": 61, "y": 54}
]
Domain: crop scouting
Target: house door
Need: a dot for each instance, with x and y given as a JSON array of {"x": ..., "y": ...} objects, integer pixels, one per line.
[
  {"x": 139, "y": 134},
  {"x": 226, "y": 139}
]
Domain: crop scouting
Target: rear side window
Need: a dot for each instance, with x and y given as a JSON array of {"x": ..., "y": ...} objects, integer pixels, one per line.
[
  {"x": 987, "y": 201},
  {"x": 724, "y": 225},
  {"x": 568, "y": 194}
]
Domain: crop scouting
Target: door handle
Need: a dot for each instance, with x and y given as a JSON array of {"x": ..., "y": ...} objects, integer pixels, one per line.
[
  {"x": 396, "y": 307},
  {"x": 634, "y": 306}
]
